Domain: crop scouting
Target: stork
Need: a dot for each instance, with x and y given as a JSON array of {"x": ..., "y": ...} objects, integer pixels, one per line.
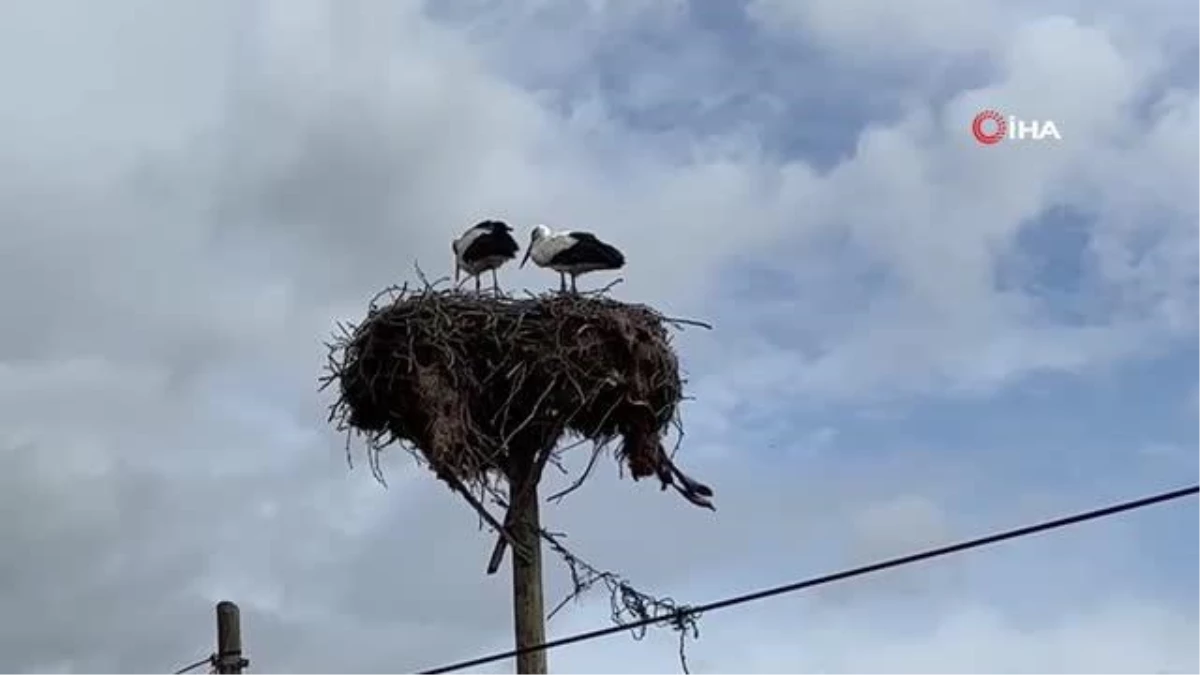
[
  {"x": 572, "y": 253},
  {"x": 484, "y": 248}
]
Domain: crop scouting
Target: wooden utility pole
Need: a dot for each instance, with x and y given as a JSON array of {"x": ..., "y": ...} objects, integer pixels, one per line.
[
  {"x": 529, "y": 614},
  {"x": 229, "y": 639}
]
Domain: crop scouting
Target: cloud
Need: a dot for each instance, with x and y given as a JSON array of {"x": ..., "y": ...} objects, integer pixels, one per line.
[
  {"x": 192, "y": 197},
  {"x": 928, "y": 27}
]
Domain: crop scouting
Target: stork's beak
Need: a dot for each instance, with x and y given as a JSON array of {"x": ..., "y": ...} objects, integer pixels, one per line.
[{"x": 526, "y": 258}]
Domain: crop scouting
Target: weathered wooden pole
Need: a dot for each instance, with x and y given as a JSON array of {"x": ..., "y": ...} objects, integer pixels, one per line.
[
  {"x": 229, "y": 639},
  {"x": 529, "y": 614}
]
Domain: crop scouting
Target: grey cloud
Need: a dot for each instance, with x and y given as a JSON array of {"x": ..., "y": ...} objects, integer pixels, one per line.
[{"x": 183, "y": 217}]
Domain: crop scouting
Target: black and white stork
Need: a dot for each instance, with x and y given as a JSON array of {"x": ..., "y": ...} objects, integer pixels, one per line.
[
  {"x": 572, "y": 253},
  {"x": 484, "y": 248}
]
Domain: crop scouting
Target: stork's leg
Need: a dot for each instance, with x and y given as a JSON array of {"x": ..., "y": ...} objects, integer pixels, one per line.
[
  {"x": 495, "y": 283},
  {"x": 478, "y": 285},
  {"x": 562, "y": 282},
  {"x": 573, "y": 289}
]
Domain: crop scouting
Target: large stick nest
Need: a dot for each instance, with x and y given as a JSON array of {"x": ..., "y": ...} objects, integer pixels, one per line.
[{"x": 470, "y": 380}]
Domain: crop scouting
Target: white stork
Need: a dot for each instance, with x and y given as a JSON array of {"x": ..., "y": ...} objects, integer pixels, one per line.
[
  {"x": 572, "y": 253},
  {"x": 484, "y": 248}
]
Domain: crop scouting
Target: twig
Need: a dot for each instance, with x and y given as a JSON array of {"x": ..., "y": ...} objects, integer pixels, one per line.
[
  {"x": 687, "y": 322},
  {"x": 578, "y": 482},
  {"x": 501, "y": 530}
]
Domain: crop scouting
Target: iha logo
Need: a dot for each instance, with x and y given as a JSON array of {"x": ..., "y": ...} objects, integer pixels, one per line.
[{"x": 990, "y": 127}]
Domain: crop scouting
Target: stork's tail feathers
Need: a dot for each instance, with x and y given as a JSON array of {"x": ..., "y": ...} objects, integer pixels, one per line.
[{"x": 611, "y": 256}]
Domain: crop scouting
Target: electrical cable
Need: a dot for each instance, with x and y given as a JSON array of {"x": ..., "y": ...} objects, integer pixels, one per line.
[{"x": 1036, "y": 528}]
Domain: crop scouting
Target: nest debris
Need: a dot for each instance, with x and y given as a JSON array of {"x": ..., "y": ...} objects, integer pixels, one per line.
[{"x": 471, "y": 381}]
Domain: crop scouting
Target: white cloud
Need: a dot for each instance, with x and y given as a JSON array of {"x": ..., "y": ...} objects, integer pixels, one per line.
[
  {"x": 192, "y": 196},
  {"x": 906, "y": 523}
]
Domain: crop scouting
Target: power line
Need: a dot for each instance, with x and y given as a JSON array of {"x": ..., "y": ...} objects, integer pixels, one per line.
[{"x": 838, "y": 576}]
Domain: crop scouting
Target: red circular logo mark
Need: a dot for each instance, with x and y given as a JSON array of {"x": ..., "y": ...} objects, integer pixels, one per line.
[{"x": 999, "y": 127}]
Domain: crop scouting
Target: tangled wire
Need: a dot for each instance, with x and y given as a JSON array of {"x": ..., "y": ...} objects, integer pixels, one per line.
[{"x": 629, "y": 605}]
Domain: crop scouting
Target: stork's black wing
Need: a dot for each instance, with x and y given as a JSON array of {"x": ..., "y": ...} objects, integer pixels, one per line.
[
  {"x": 493, "y": 226},
  {"x": 588, "y": 249},
  {"x": 492, "y": 244}
]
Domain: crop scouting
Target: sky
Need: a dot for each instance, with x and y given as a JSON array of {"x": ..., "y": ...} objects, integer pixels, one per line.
[{"x": 917, "y": 338}]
